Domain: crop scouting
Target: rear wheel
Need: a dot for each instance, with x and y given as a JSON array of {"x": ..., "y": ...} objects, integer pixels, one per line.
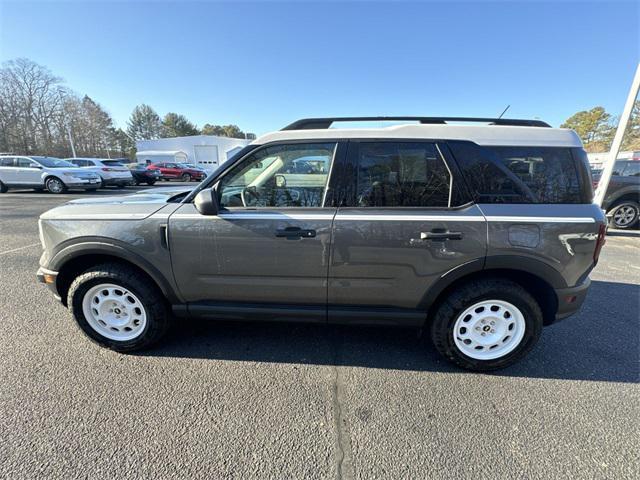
[
  {"x": 55, "y": 185},
  {"x": 117, "y": 308},
  {"x": 3, "y": 188},
  {"x": 185, "y": 177},
  {"x": 151, "y": 182},
  {"x": 625, "y": 215},
  {"x": 487, "y": 325}
]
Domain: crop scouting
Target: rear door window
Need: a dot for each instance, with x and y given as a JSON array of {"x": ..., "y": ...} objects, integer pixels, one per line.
[
  {"x": 400, "y": 174},
  {"x": 6, "y": 162},
  {"x": 632, "y": 169}
]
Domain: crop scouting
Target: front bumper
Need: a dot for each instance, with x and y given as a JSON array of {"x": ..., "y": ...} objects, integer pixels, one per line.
[
  {"x": 82, "y": 183},
  {"x": 571, "y": 299},
  {"x": 49, "y": 278}
]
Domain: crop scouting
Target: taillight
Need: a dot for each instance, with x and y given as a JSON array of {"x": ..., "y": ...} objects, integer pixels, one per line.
[
  {"x": 602, "y": 232},
  {"x": 105, "y": 169}
]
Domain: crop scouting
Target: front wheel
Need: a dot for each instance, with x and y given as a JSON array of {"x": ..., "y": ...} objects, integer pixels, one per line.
[
  {"x": 151, "y": 182},
  {"x": 55, "y": 185},
  {"x": 118, "y": 308},
  {"x": 486, "y": 325},
  {"x": 625, "y": 215},
  {"x": 3, "y": 188}
]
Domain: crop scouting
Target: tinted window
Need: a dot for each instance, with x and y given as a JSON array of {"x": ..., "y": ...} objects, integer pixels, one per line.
[
  {"x": 6, "y": 162},
  {"x": 632, "y": 169},
  {"x": 112, "y": 163},
  {"x": 25, "y": 163},
  {"x": 400, "y": 174},
  {"x": 519, "y": 174},
  {"x": 271, "y": 177}
]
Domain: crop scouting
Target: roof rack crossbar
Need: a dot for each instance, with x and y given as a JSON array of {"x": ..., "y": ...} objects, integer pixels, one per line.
[{"x": 324, "y": 123}]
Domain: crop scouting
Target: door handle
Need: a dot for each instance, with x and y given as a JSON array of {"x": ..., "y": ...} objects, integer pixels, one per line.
[
  {"x": 441, "y": 236},
  {"x": 292, "y": 233}
]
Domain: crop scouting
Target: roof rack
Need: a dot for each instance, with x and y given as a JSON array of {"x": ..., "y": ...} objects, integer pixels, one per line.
[{"x": 324, "y": 123}]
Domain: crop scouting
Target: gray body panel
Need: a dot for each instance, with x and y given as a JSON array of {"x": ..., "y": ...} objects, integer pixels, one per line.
[
  {"x": 562, "y": 237},
  {"x": 380, "y": 260},
  {"x": 236, "y": 256}
]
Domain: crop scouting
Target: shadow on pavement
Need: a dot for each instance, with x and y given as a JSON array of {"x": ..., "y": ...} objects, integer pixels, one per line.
[
  {"x": 623, "y": 233},
  {"x": 600, "y": 343}
]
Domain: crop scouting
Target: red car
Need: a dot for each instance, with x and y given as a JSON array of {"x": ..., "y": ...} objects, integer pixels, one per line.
[{"x": 178, "y": 171}]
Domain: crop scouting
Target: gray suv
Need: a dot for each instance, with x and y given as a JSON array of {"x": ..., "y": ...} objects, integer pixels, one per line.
[{"x": 480, "y": 234}]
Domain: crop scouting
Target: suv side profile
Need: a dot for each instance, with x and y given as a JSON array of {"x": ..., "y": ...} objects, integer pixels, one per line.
[
  {"x": 480, "y": 235},
  {"x": 622, "y": 201},
  {"x": 39, "y": 173},
  {"x": 111, "y": 172}
]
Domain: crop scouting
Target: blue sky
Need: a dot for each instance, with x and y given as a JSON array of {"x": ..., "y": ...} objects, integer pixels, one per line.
[{"x": 263, "y": 65}]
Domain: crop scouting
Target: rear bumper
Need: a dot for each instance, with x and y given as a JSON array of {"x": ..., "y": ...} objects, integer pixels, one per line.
[
  {"x": 117, "y": 181},
  {"x": 49, "y": 278},
  {"x": 571, "y": 299}
]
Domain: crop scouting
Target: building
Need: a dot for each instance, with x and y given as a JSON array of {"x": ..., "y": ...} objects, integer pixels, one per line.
[
  {"x": 205, "y": 151},
  {"x": 597, "y": 159}
]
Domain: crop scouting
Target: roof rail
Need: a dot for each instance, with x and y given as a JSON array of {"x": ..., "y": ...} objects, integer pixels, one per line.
[{"x": 324, "y": 123}]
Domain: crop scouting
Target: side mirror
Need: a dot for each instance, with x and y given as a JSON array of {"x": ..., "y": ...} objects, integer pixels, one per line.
[{"x": 206, "y": 202}]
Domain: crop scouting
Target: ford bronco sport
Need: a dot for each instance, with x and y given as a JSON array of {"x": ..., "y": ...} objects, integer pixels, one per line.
[{"x": 480, "y": 234}]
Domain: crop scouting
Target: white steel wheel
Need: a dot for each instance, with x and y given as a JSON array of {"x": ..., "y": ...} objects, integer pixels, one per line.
[
  {"x": 489, "y": 329},
  {"x": 114, "y": 312}
]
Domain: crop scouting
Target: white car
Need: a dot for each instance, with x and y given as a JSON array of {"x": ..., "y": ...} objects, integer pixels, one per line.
[
  {"x": 41, "y": 173},
  {"x": 112, "y": 172}
]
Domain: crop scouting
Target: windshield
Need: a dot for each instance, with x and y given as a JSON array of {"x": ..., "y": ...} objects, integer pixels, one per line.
[
  {"x": 51, "y": 162},
  {"x": 113, "y": 163}
]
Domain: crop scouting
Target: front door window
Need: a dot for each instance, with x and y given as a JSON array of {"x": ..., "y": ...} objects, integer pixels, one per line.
[{"x": 293, "y": 175}]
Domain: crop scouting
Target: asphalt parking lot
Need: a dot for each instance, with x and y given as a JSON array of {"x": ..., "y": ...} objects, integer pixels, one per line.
[{"x": 294, "y": 401}]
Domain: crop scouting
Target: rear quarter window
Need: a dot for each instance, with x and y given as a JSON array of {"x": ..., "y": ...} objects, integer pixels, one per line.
[{"x": 505, "y": 174}]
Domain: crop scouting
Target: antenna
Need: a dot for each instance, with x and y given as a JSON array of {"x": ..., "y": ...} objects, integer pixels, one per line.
[{"x": 504, "y": 111}]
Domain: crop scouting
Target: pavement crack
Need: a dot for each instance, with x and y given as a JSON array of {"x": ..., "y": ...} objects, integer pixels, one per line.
[{"x": 344, "y": 467}]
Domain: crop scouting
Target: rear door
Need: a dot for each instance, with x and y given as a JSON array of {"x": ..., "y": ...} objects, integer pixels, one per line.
[
  {"x": 266, "y": 253},
  {"x": 404, "y": 223}
]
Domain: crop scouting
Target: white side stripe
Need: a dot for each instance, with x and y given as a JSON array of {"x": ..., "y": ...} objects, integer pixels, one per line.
[
  {"x": 412, "y": 218},
  {"x": 541, "y": 219}
]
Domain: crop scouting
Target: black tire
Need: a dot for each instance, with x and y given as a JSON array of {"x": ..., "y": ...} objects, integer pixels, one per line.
[
  {"x": 155, "y": 305},
  {"x": 3, "y": 188},
  {"x": 151, "y": 182},
  {"x": 137, "y": 182},
  {"x": 467, "y": 295},
  {"x": 55, "y": 185},
  {"x": 185, "y": 177},
  {"x": 624, "y": 215},
  {"x": 120, "y": 185}
]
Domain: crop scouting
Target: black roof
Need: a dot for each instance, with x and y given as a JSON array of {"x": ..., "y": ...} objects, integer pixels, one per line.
[{"x": 324, "y": 123}]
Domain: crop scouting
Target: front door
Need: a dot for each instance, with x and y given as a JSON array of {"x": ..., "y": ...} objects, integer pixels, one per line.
[
  {"x": 267, "y": 251},
  {"x": 402, "y": 227},
  {"x": 27, "y": 172}
]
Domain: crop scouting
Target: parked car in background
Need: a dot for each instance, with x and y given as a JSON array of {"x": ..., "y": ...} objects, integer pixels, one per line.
[
  {"x": 178, "y": 171},
  {"x": 622, "y": 200},
  {"x": 480, "y": 235},
  {"x": 40, "y": 173},
  {"x": 112, "y": 172},
  {"x": 141, "y": 174}
]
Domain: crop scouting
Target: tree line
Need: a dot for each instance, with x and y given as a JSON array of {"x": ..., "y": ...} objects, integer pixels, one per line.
[
  {"x": 597, "y": 128},
  {"x": 40, "y": 115}
]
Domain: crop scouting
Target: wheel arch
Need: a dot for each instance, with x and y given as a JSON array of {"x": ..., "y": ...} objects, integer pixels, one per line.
[
  {"x": 540, "y": 285},
  {"x": 73, "y": 260}
]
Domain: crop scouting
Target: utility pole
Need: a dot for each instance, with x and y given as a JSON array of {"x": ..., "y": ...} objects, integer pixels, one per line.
[{"x": 605, "y": 177}]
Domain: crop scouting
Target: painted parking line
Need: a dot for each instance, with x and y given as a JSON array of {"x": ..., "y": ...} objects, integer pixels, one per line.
[{"x": 19, "y": 248}]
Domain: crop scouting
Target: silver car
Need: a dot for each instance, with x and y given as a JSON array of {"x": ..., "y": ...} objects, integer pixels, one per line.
[{"x": 40, "y": 173}]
